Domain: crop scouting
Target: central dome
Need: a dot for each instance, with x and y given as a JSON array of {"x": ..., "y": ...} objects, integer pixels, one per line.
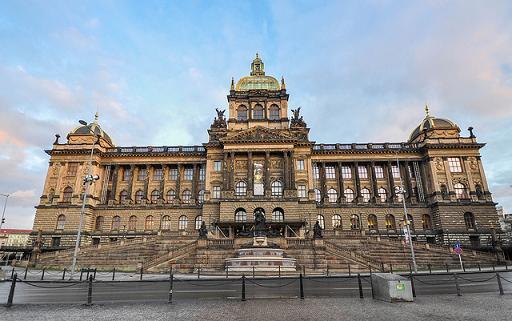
[{"x": 257, "y": 80}]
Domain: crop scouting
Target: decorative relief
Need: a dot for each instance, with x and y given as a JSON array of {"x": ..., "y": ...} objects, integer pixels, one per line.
[
  {"x": 473, "y": 163},
  {"x": 56, "y": 169},
  {"x": 241, "y": 165},
  {"x": 276, "y": 163},
  {"x": 462, "y": 180},
  {"x": 439, "y": 163}
]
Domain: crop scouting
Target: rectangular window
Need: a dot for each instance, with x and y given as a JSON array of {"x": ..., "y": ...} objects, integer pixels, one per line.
[
  {"x": 158, "y": 174},
  {"x": 127, "y": 174},
  {"x": 379, "y": 172},
  {"x": 316, "y": 172},
  {"x": 142, "y": 174},
  {"x": 300, "y": 165},
  {"x": 330, "y": 172},
  {"x": 363, "y": 172},
  {"x": 301, "y": 191},
  {"x": 216, "y": 192},
  {"x": 72, "y": 169},
  {"x": 217, "y": 166},
  {"x": 396, "y": 171},
  {"x": 202, "y": 173},
  {"x": 346, "y": 172},
  {"x": 454, "y": 164},
  {"x": 173, "y": 174},
  {"x": 189, "y": 174}
]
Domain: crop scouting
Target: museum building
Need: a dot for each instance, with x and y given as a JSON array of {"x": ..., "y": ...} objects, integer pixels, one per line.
[{"x": 259, "y": 158}]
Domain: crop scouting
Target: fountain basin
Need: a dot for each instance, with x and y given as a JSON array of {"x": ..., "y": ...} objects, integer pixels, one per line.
[{"x": 260, "y": 259}]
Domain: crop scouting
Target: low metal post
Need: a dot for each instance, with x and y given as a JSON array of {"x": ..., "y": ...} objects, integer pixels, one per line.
[
  {"x": 360, "y": 286},
  {"x": 11, "y": 291},
  {"x": 42, "y": 274},
  {"x": 410, "y": 269},
  {"x": 494, "y": 267},
  {"x": 349, "y": 273},
  {"x": 89, "y": 292},
  {"x": 500, "y": 286},
  {"x": 506, "y": 265},
  {"x": 370, "y": 267},
  {"x": 279, "y": 270},
  {"x": 457, "y": 284},
  {"x": 243, "y": 287},
  {"x": 25, "y": 275},
  {"x": 171, "y": 281},
  {"x": 304, "y": 270},
  {"x": 88, "y": 270},
  {"x": 81, "y": 274},
  {"x": 464, "y": 267},
  {"x": 227, "y": 272},
  {"x": 141, "y": 271},
  {"x": 371, "y": 286},
  {"x": 12, "y": 273},
  {"x": 390, "y": 268},
  {"x": 113, "y": 274},
  {"x": 94, "y": 275},
  {"x": 253, "y": 272},
  {"x": 199, "y": 272},
  {"x": 382, "y": 266},
  {"x": 411, "y": 277},
  {"x": 327, "y": 270},
  {"x": 301, "y": 287},
  {"x": 429, "y": 268},
  {"x": 63, "y": 273},
  {"x": 479, "y": 268},
  {"x": 446, "y": 268}
]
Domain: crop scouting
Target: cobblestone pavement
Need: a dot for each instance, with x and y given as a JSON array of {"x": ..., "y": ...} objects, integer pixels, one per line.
[{"x": 479, "y": 307}]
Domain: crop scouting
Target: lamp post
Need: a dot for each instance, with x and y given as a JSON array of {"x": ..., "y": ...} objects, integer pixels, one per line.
[
  {"x": 3, "y": 212},
  {"x": 407, "y": 224},
  {"x": 88, "y": 180}
]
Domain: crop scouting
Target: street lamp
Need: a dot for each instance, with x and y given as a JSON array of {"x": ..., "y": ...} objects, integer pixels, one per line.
[
  {"x": 3, "y": 212},
  {"x": 407, "y": 224},
  {"x": 88, "y": 180}
]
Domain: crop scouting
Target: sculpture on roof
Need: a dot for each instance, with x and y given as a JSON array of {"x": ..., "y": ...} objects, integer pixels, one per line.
[
  {"x": 297, "y": 120},
  {"x": 220, "y": 120}
]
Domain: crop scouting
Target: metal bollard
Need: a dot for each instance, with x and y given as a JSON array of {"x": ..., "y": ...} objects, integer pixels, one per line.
[
  {"x": 411, "y": 277},
  {"x": 479, "y": 268},
  {"x": 11, "y": 291},
  {"x": 227, "y": 272},
  {"x": 301, "y": 287},
  {"x": 279, "y": 270},
  {"x": 94, "y": 275},
  {"x": 42, "y": 274},
  {"x": 390, "y": 268},
  {"x": 327, "y": 270},
  {"x": 371, "y": 286},
  {"x": 349, "y": 273},
  {"x": 446, "y": 268},
  {"x": 113, "y": 274},
  {"x": 382, "y": 266},
  {"x": 26, "y": 270},
  {"x": 494, "y": 267},
  {"x": 370, "y": 269},
  {"x": 429, "y": 268},
  {"x": 457, "y": 284},
  {"x": 360, "y": 286},
  {"x": 199, "y": 272},
  {"x": 500, "y": 286},
  {"x": 63, "y": 273},
  {"x": 81, "y": 274},
  {"x": 506, "y": 265},
  {"x": 171, "y": 281},
  {"x": 464, "y": 267},
  {"x": 304, "y": 270},
  {"x": 12, "y": 273},
  {"x": 253, "y": 272},
  {"x": 243, "y": 287},
  {"x": 141, "y": 271},
  {"x": 89, "y": 292}
]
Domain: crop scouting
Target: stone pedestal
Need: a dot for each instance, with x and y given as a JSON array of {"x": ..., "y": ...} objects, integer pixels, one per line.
[{"x": 259, "y": 241}]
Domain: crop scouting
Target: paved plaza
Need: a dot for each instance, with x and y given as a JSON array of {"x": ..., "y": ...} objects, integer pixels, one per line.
[{"x": 476, "y": 307}]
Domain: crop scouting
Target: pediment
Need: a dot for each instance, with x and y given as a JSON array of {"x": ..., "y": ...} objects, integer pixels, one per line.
[{"x": 259, "y": 134}]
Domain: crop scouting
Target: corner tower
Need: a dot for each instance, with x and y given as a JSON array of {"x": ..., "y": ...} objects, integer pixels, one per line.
[{"x": 258, "y": 100}]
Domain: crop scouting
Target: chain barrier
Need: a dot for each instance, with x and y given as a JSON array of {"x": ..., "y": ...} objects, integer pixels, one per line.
[
  {"x": 271, "y": 286},
  {"x": 49, "y": 287},
  {"x": 339, "y": 280},
  {"x": 216, "y": 284},
  {"x": 432, "y": 283},
  {"x": 475, "y": 281},
  {"x": 506, "y": 280}
]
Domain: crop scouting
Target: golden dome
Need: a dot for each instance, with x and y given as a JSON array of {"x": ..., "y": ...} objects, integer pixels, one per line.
[
  {"x": 257, "y": 80},
  {"x": 432, "y": 123}
]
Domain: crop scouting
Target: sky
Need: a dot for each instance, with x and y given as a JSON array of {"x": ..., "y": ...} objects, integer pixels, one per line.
[{"x": 362, "y": 71}]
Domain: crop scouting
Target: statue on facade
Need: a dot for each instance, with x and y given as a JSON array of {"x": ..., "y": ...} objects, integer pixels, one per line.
[
  {"x": 297, "y": 120},
  {"x": 203, "y": 232},
  {"x": 317, "y": 231},
  {"x": 259, "y": 223},
  {"x": 220, "y": 120}
]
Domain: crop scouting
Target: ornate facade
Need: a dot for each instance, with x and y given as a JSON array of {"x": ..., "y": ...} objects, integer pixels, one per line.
[{"x": 259, "y": 156}]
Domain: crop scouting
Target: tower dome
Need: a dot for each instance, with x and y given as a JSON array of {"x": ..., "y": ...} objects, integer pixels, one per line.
[
  {"x": 434, "y": 127},
  {"x": 87, "y": 130},
  {"x": 257, "y": 80}
]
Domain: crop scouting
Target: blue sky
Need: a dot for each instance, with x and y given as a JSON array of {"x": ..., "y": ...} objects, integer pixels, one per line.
[{"x": 156, "y": 71}]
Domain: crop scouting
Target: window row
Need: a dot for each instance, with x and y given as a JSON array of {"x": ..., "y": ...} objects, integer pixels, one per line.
[
  {"x": 241, "y": 189},
  {"x": 241, "y": 214},
  {"x": 372, "y": 224},
  {"x": 186, "y": 196},
  {"x": 362, "y": 171},
  {"x": 258, "y": 112},
  {"x": 158, "y": 174},
  {"x": 349, "y": 194},
  {"x": 149, "y": 223}
]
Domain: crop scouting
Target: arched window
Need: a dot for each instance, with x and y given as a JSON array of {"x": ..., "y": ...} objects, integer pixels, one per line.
[
  {"x": 187, "y": 195},
  {"x": 199, "y": 221},
  {"x": 365, "y": 193},
  {"x": 241, "y": 113},
  {"x": 469, "y": 220},
  {"x": 200, "y": 196},
  {"x": 460, "y": 191},
  {"x": 274, "y": 112},
  {"x": 171, "y": 195},
  {"x": 278, "y": 215},
  {"x": 182, "y": 222},
  {"x": 277, "y": 189},
  {"x": 354, "y": 222},
  {"x": 241, "y": 188},
  {"x": 390, "y": 222},
  {"x": 155, "y": 195},
  {"x": 166, "y": 222},
  {"x": 349, "y": 195},
  {"x": 372, "y": 222},
  {"x": 321, "y": 220},
  {"x": 336, "y": 221},
  {"x": 383, "y": 194},
  {"x": 138, "y": 196},
  {"x": 123, "y": 196},
  {"x": 132, "y": 223},
  {"x": 426, "y": 221},
  {"x": 116, "y": 223},
  {"x": 61, "y": 221},
  {"x": 333, "y": 195},
  {"x": 257, "y": 112},
  {"x": 240, "y": 215},
  {"x": 411, "y": 221},
  {"x": 318, "y": 195},
  {"x": 148, "y": 224},
  {"x": 67, "y": 194},
  {"x": 98, "y": 225}
]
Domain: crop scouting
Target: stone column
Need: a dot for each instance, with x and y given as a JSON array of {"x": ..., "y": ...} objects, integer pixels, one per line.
[
  {"x": 115, "y": 175},
  {"x": 130, "y": 181},
  {"x": 407, "y": 178},
  {"x": 391, "y": 182},
  {"x": 267, "y": 172},
  {"x": 146, "y": 182},
  {"x": 250, "y": 182},
  {"x": 358, "y": 182},
  {"x": 292, "y": 172},
  {"x": 195, "y": 180},
  {"x": 162, "y": 182},
  {"x": 178, "y": 181},
  {"x": 467, "y": 170},
  {"x": 286, "y": 182},
  {"x": 225, "y": 177},
  {"x": 373, "y": 178},
  {"x": 341, "y": 195},
  {"x": 323, "y": 185},
  {"x": 232, "y": 171}
]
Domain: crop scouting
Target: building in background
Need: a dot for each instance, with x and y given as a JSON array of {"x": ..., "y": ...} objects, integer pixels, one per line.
[{"x": 14, "y": 237}]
